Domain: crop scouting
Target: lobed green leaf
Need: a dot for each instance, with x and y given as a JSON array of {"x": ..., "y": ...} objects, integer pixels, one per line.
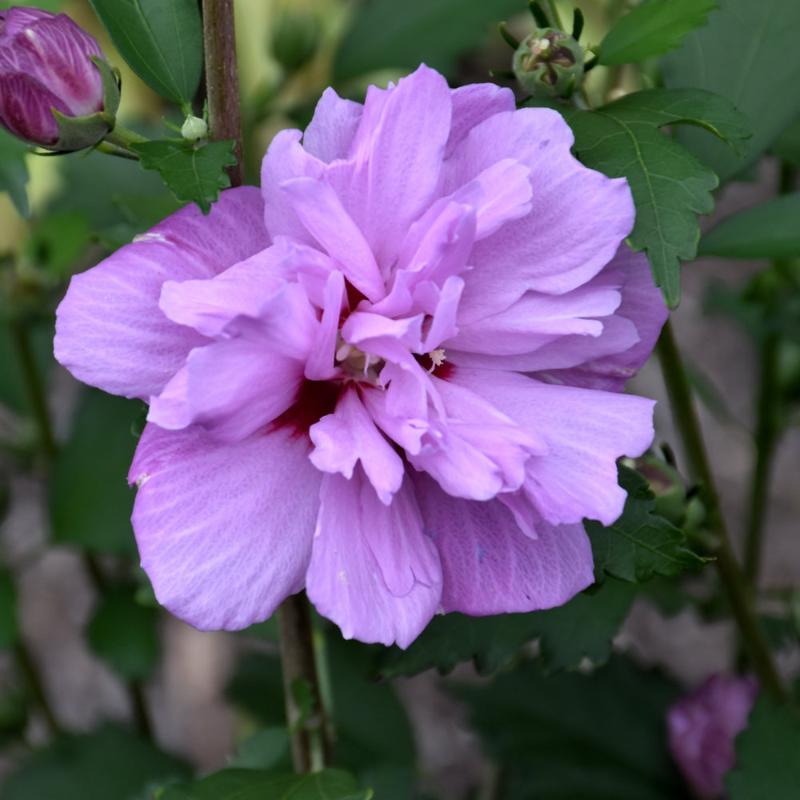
[
  {"x": 670, "y": 187},
  {"x": 583, "y": 628},
  {"x": 748, "y": 54},
  {"x": 193, "y": 173},
  {"x": 640, "y": 544},
  {"x": 653, "y": 28}
]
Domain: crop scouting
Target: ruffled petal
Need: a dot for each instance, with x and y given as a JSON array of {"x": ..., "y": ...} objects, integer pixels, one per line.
[
  {"x": 321, "y": 212},
  {"x": 393, "y": 173},
  {"x": 473, "y": 104},
  {"x": 490, "y": 566},
  {"x": 110, "y": 331},
  {"x": 330, "y": 133},
  {"x": 348, "y": 436},
  {"x": 642, "y": 306},
  {"x": 585, "y": 432},
  {"x": 578, "y": 217},
  {"x": 373, "y": 571},
  {"x": 224, "y": 531}
]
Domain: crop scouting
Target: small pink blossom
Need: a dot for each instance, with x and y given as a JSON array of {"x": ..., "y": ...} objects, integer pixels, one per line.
[
  {"x": 391, "y": 377},
  {"x": 702, "y": 728},
  {"x": 45, "y": 65}
]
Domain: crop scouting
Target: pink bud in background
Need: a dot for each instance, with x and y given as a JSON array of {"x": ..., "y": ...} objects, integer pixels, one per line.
[
  {"x": 45, "y": 64},
  {"x": 702, "y": 728}
]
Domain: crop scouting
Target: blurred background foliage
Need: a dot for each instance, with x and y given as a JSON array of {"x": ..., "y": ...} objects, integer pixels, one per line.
[{"x": 545, "y": 727}]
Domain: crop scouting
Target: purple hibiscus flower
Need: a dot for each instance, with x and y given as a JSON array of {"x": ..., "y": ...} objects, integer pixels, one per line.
[
  {"x": 45, "y": 65},
  {"x": 702, "y": 728},
  {"x": 391, "y": 377}
]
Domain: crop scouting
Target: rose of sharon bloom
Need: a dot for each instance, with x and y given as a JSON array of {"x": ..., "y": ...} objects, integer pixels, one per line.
[
  {"x": 45, "y": 64},
  {"x": 702, "y": 728},
  {"x": 391, "y": 377}
]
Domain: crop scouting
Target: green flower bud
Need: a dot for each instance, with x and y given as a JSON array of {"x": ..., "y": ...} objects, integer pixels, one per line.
[
  {"x": 548, "y": 63},
  {"x": 194, "y": 128},
  {"x": 295, "y": 38}
]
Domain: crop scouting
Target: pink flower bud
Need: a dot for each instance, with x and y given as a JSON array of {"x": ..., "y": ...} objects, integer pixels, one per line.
[
  {"x": 702, "y": 728},
  {"x": 45, "y": 65}
]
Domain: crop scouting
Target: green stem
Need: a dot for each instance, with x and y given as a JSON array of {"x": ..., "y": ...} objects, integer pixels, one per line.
[
  {"x": 33, "y": 382},
  {"x": 116, "y": 150},
  {"x": 766, "y": 438},
  {"x": 222, "y": 79},
  {"x": 733, "y": 581},
  {"x": 310, "y": 745},
  {"x": 123, "y": 138}
]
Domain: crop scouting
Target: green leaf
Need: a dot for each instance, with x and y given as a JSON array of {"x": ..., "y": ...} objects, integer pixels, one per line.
[
  {"x": 747, "y": 53},
  {"x": 640, "y": 544},
  {"x": 162, "y": 40},
  {"x": 569, "y": 736},
  {"x": 109, "y": 764},
  {"x": 653, "y": 28},
  {"x": 243, "y": 784},
  {"x": 57, "y": 242},
  {"x": 9, "y": 628},
  {"x": 269, "y": 748},
  {"x": 124, "y": 634},
  {"x": 13, "y": 171},
  {"x": 13, "y": 389},
  {"x": 670, "y": 187},
  {"x": 787, "y": 145},
  {"x": 769, "y": 230},
  {"x": 767, "y": 754},
  {"x": 583, "y": 628},
  {"x": 257, "y": 688},
  {"x": 358, "y": 702},
  {"x": 90, "y": 502},
  {"x": 193, "y": 173},
  {"x": 385, "y": 34}
]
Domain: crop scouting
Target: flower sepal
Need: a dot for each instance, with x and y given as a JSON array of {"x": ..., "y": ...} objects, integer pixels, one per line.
[{"x": 79, "y": 133}]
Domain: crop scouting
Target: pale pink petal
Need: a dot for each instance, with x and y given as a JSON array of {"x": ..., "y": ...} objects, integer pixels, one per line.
[
  {"x": 577, "y": 220},
  {"x": 321, "y": 212},
  {"x": 232, "y": 388},
  {"x": 491, "y": 567},
  {"x": 348, "y": 436},
  {"x": 473, "y": 104},
  {"x": 373, "y": 571},
  {"x": 224, "y": 531},
  {"x": 241, "y": 290},
  {"x": 642, "y": 306},
  {"x": 473, "y": 450},
  {"x": 110, "y": 331},
  {"x": 585, "y": 432},
  {"x": 330, "y": 133},
  {"x": 286, "y": 159},
  {"x": 537, "y": 319},
  {"x": 396, "y": 159},
  {"x": 320, "y": 364},
  {"x": 616, "y": 335}
]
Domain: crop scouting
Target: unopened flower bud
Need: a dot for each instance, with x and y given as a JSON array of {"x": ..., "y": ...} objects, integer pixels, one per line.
[
  {"x": 549, "y": 62},
  {"x": 295, "y": 38},
  {"x": 50, "y": 74},
  {"x": 194, "y": 128}
]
